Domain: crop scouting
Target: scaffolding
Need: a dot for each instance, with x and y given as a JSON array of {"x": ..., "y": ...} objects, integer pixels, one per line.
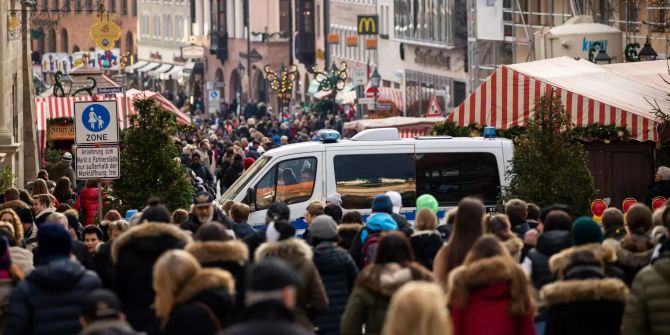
[{"x": 522, "y": 18}]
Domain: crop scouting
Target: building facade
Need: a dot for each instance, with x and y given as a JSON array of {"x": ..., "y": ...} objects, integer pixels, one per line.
[{"x": 18, "y": 149}]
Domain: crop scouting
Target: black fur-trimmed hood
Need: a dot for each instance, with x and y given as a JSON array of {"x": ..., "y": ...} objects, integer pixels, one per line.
[
  {"x": 292, "y": 249},
  {"x": 215, "y": 251},
  {"x": 148, "y": 230},
  {"x": 630, "y": 256},
  {"x": 562, "y": 292},
  {"x": 14, "y": 204},
  {"x": 560, "y": 261}
]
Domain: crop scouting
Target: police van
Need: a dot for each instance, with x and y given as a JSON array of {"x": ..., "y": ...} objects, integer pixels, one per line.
[{"x": 372, "y": 162}]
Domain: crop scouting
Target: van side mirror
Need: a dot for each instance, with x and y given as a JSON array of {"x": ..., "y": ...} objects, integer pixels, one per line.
[{"x": 251, "y": 198}]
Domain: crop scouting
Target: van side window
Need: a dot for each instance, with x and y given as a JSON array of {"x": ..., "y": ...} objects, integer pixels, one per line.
[
  {"x": 450, "y": 177},
  {"x": 290, "y": 182},
  {"x": 359, "y": 178}
]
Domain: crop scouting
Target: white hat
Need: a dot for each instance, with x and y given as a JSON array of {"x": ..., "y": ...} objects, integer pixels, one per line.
[
  {"x": 335, "y": 199},
  {"x": 396, "y": 199}
]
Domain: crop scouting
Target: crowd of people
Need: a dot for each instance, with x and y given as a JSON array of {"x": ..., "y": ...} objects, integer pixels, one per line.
[{"x": 205, "y": 270}]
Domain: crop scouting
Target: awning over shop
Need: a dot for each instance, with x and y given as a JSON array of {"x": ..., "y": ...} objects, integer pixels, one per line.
[
  {"x": 175, "y": 73},
  {"x": 388, "y": 93},
  {"x": 590, "y": 94},
  {"x": 136, "y": 66},
  {"x": 148, "y": 68},
  {"x": 156, "y": 73}
]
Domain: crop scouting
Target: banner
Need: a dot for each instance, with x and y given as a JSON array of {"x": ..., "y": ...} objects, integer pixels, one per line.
[
  {"x": 490, "y": 20},
  {"x": 98, "y": 59}
]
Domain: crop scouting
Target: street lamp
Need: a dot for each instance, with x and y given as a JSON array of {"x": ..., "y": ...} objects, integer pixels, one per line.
[
  {"x": 375, "y": 80},
  {"x": 647, "y": 52},
  {"x": 240, "y": 72},
  {"x": 281, "y": 82}
]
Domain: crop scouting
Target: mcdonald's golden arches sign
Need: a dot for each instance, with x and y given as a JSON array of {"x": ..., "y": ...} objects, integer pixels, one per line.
[{"x": 367, "y": 24}]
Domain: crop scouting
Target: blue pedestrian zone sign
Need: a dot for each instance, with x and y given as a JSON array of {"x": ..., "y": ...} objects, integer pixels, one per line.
[
  {"x": 96, "y": 122},
  {"x": 96, "y": 118}
]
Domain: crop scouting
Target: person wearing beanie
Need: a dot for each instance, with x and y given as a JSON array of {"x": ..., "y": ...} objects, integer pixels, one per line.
[
  {"x": 635, "y": 249},
  {"x": 382, "y": 204},
  {"x": 79, "y": 250},
  {"x": 281, "y": 243},
  {"x": 48, "y": 300},
  {"x": 270, "y": 301},
  {"x": 64, "y": 169},
  {"x": 134, "y": 254},
  {"x": 156, "y": 212},
  {"x": 276, "y": 212},
  {"x": 335, "y": 199},
  {"x": 401, "y": 220},
  {"x": 585, "y": 230},
  {"x": 427, "y": 201},
  {"x": 102, "y": 313},
  {"x": 365, "y": 243},
  {"x": 337, "y": 270}
]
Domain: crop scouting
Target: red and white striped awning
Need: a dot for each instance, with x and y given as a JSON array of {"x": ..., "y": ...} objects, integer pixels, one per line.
[
  {"x": 590, "y": 94},
  {"x": 408, "y": 127},
  {"x": 388, "y": 93},
  {"x": 50, "y": 107}
]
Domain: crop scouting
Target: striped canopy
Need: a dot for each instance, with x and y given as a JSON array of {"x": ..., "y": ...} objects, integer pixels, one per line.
[{"x": 590, "y": 94}]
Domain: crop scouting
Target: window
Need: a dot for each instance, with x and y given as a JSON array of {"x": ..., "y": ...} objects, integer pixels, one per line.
[
  {"x": 179, "y": 28},
  {"x": 359, "y": 178},
  {"x": 144, "y": 28},
  {"x": 167, "y": 21},
  {"x": 134, "y": 8},
  {"x": 424, "y": 20},
  {"x": 450, "y": 177},
  {"x": 112, "y": 6},
  {"x": 15, "y": 108},
  {"x": 89, "y": 6},
  {"x": 77, "y": 5},
  {"x": 124, "y": 7},
  {"x": 284, "y": 7},
  {"x": 157, "y": 27},
  {"x": 290, "y": 182}
]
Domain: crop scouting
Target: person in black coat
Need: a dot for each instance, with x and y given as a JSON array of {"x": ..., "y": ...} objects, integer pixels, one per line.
[
  {"x": 230, "y": 255},
  {"x": 204, "y": 212},
  {"x": 661, "y": 185},
  {"x": 134, "y": 254},
  {"x": 79, "y": 249},
  {"x": 234, "y": 171},
  {"x": 555, "y": 238},
  {"x": 48, "y": 300},
  {"x": 190, "y": 299},
  {"x": 426, "y": 241},
  {"x": 200, "y": 169},
  {"x": 270, "y": 301},
  {"x": 338, "y": 272},
  {"x": 583, "y": 301}
]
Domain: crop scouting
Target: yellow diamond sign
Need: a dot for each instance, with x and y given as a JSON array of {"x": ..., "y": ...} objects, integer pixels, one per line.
[{"x": 105, "y": 33}]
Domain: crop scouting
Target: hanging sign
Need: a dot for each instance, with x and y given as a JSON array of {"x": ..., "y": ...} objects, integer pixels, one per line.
[{"x": 105, "y": 33}]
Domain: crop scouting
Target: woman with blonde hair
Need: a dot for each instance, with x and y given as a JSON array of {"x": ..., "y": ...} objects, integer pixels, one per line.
[
  {"x": 500, "y": 226},
  {"x": 417, "y": 308},
  {"x": 426, "y": 241},
  {"x": 12, "y": 229},
  {"x": 490, "y": 293},
  {"x": 191, "y": 299}
]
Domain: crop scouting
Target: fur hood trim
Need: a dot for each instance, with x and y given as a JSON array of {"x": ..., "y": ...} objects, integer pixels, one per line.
[
  {"x": 147, "y": 229},
  {"x": 215, "y": 251},
  {"x": 513, "y": 245},
  {"x": 481, "y": 273},
  {"x": 206, "y": 279},
  {"x": 627, "y": 257},
  {"x": 14, "y": 204},
  {"x": 349, "y": 227},
  {"x": 559, "y": 261},
  {"x": 387, "y": 278},
  {"x": 568, "y": 291},
  {"x": 291, "y": 248},
  {"x": 425, "y": 232}
]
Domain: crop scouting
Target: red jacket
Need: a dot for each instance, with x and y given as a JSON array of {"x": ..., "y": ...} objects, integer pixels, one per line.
[
  {"x": 90, "y": 198},
  {"x": 487, "y": 314}
]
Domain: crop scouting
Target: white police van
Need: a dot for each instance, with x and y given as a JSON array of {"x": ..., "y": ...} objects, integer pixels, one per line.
[{"x": 373, "y": 162}]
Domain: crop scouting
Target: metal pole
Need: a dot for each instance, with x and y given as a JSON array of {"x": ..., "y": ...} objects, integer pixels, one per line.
[
  {"x": 247, "y": 21},
  {"x": 99, "y": 201},
  {"x": 290, "y": 33},
  {"x": 326, "y": 31}
]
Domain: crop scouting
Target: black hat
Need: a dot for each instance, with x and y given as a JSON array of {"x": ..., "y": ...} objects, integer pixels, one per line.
[
  {"x": 156, "y": 213},
  {"x": 202, "y": 199},
  {"x": 101, "y": 304},
  {"x": 272, "y": 274}
]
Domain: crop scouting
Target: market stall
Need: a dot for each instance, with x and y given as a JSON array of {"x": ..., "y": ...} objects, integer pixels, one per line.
[{"x": 408, "y": 127}]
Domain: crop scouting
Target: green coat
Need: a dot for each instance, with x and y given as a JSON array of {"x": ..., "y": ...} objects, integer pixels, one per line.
[
  {"x": 368, "y": 302},
  {"x": 648, "y": 306}
]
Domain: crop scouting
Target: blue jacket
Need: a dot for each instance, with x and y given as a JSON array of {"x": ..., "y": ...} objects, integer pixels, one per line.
[{"x": 49, "y": 300}]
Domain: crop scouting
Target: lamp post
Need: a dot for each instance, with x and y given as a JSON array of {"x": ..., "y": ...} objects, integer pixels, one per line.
[
  {"x": 647, "y": 53},
  {"x": 281, "y": 82},
  {"x": 375, "y": 80},
  {"x": 333, "y": 79}
]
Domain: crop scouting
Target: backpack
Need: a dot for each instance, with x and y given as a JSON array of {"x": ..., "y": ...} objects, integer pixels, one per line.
[{"x": 369, "y": 248}]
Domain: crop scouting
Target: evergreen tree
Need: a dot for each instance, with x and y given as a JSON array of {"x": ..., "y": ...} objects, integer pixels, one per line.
[
  {"x": 148, "y": 168},
  {"x": 549, "y": 166}
]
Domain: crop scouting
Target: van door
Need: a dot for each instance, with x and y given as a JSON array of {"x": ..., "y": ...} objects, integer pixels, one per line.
[
  {"x": 359, "y": 173},
  {"x": 451, "y": 171},
  {"x": 295, "y": 180}
]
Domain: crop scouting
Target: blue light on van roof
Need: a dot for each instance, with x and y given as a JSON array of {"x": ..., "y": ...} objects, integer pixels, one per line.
[
  {"x": 489, "y": 132},
  {"x": 329, "y": 136}
]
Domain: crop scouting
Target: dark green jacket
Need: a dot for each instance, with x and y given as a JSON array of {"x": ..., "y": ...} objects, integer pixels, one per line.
[{"x": 648, "y": 306}]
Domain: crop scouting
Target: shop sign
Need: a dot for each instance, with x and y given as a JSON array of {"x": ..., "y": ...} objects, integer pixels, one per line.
[
  {"x": 193, "y": 52},
  {"x": 155, "y": 55},
  {"x": 429, "y": 58},
  {"x": 367, "y": 24},
  {"x": 105, "y": 33},
  {"x": 61, "y": 131}
]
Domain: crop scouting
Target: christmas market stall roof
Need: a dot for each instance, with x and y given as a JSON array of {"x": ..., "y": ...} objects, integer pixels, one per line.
[
  {"x": 79, "y": 79},
  {"x": 590, "y": 94},
  {"x": 408, "y": 127},
  {"x": 652, "y": 72},
  {"x": 50, "y": 107}
]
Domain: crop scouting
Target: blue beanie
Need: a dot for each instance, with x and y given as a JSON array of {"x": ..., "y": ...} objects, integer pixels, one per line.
[
  {"x": 54, "y": 240},
  {"x": 585, "y": 230},
  {"x": 382, "y": 204},
  {"x": 378, "y": 222}
]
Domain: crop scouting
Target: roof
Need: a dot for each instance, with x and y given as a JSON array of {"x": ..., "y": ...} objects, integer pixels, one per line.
[{"x": 651, "y": 72}]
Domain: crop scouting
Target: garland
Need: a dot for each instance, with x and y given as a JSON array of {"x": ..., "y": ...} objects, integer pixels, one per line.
[{"x": 592, "y": 132}]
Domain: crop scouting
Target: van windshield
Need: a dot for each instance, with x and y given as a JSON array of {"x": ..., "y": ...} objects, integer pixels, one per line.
[{"x": 243, "y": 180}]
